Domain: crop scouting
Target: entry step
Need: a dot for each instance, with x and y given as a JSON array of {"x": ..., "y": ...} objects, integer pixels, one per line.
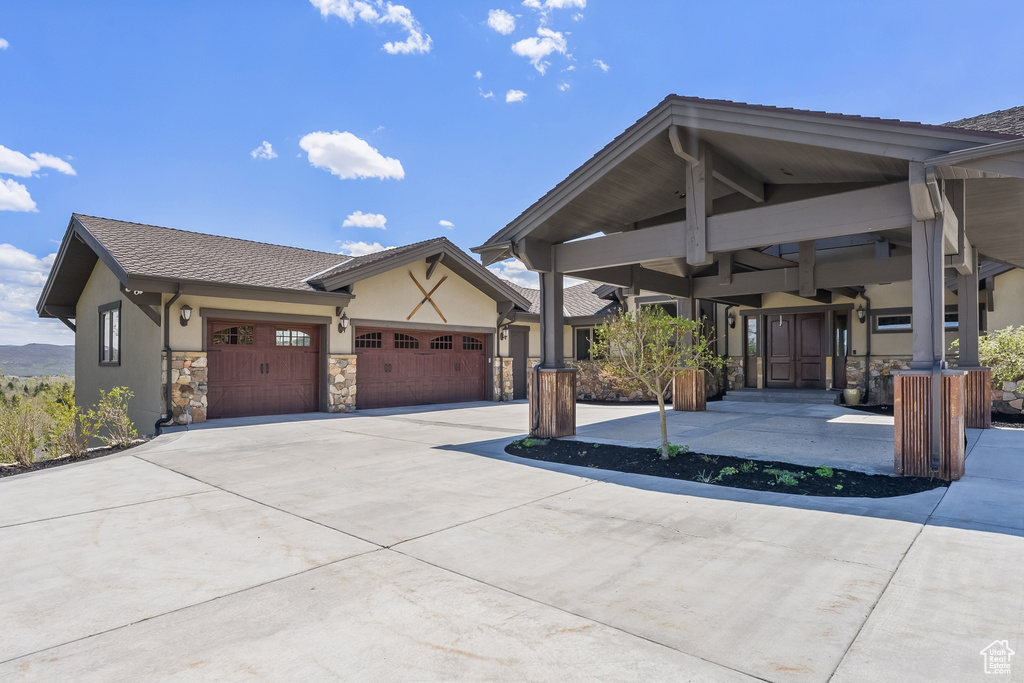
[{"x": 814, "y": 396}]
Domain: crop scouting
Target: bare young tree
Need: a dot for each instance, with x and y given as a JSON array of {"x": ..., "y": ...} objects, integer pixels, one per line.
[{"x": 646, "y": 349}]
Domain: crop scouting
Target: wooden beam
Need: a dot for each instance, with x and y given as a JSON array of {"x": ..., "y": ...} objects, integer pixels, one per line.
[
  {"x": 807, "y": 252},
  {"x": 962, "y": 257},
  {"x": 70, "y": 324},
  {"x": 432, "y": 262},
  {"x": 535, "y": 254},
  {"x": 883, "y": 248},
  {"x": 724, "y": 261},
  {"x": 1003, "y": 158},
  {"x": 650, "y": 244},
  {"x": 145, "y": 301},
  {"x": 699, "y": 201},
  {"x": 639, "y": 278},
  {"x": 846, "y": 213},
  {"x": 761, "y": 260},
  {"x": 60, "y": 311},
  {"x": 850, "y": 292},
  {"x": 827, "y": 276},
  {"x": 730, "y": 175},
  {"x": 920, "y": 195}
]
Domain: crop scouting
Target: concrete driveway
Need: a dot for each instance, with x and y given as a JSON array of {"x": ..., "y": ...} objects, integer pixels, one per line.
[{"x": 405, "y": 545}]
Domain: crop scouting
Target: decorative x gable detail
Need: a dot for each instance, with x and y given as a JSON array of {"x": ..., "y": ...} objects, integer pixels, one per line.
[{"x": 426, "y": 297}]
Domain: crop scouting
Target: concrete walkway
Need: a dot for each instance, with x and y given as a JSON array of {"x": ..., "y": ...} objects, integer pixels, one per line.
[{"x": 406, "y": 545}]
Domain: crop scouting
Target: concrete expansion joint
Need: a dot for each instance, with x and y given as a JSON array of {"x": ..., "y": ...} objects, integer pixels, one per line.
[
  {"x": 112, "y": 507},
  {"x": 578, "y": 615}
]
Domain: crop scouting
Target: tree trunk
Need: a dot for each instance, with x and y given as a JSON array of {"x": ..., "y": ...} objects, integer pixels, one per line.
[{"x": 664, "y": 425}]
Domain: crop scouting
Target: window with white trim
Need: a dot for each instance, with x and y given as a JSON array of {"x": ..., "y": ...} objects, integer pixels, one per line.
[{"x": 110, "y": 333}]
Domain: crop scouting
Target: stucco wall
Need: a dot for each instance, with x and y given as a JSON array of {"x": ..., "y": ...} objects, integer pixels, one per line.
[
  {"x": 140, "y": 352},
  {"x": 567, "y": 340},
  {"x": 1009, "y": 301}
]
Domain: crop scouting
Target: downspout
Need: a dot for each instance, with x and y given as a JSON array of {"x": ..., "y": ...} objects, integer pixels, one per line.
[{"x": 168, "y": 409}]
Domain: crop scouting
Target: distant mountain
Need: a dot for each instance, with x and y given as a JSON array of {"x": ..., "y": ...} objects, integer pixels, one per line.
[{"x": 35, "y": 360}]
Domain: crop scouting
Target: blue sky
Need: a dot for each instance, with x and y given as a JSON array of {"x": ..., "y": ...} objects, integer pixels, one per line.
[{"x": 409, "y": 115}]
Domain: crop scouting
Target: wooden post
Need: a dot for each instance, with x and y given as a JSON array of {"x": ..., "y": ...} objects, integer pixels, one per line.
[
  {"x": 913, "y": 434},
  {"x": 978, "y": 408},
  {"x": 688, "y": 390},
  {"x": 556, "y": 413},
  {"x": 553, "y": 396}
]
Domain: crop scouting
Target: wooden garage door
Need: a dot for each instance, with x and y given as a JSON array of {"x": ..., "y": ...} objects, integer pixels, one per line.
[
  {"x": 258, "y": 368},
  {"x": 413, "y": 367}
]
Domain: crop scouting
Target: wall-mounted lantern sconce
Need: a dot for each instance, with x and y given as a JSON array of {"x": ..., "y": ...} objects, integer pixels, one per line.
[
  {"x": 861, "y": 313},
  {"x": 343, "y": 322},
  {"x": 186, "y": 315},
  {"x": 504, "y": 333},
  {"x": 732, "y": 320}
]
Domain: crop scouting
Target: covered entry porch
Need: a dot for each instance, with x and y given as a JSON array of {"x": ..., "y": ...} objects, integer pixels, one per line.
[{"x": 737, "y": 205}]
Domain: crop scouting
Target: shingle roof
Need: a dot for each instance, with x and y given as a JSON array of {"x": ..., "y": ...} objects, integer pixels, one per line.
[
  {"x": 1009, "y": 121},
  {"x": 577, "y": 301},
  {"x": 376, "y": 257},
  {"x": 168, "y": 253}
]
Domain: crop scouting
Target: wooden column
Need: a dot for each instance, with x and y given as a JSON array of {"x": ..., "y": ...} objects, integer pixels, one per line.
[
  {"x": 552, "y": 389},
  {"x": 913, "y": 435},
  {"x": 979, "y": 379},
  {"x": 979, "y": 397},
  {"x": 555, "y": 414},
  {"x": 688, "y": 390}
]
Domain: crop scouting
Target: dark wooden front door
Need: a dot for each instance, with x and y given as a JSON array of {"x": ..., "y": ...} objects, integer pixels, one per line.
[
  {"x": 415, "y": 367},
  {"x": 518, "y": 340},
  {"x": 258, "y": 368},
  {"x": 796, "y": 347}
]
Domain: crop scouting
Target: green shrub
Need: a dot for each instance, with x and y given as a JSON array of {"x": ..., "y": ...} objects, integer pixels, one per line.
[
  {"x": 824, "y": 472},
  {"x": 108, "y": 419},
  {"x": 67, "y": 432},
  {"x": 704, "y": 477},
  {"x": 726, "y": 472},
  {"x": 1003, "y": 351},
  {"x": 675, "y": 449},
  {"x": 18, "y": 440},
  {"x": 748, "y": 466},
  {"x": 784, "y": 477}
]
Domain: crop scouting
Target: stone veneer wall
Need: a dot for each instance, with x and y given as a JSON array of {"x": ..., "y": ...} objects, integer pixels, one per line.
[
  {"x": 735, "y": 373},
  {"x": 503, "y": 389},
  {"x": 1008, "y": 397},
  {"x": 188, "y": 385},
  {"x": 341, "y": 383}
]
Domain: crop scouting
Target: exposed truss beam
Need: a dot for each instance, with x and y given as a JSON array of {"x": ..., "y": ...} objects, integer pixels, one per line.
[
  {"x": 699, "y": 201},
  {"x": 145, "y": 301},
  {"x": 686, "y": 146},
  {"x": 432, "y": 262},
  {"x": 639, "y": 278}
]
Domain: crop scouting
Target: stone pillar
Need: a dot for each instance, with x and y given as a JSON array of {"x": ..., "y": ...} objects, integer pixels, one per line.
[
  {"x": 189, "y": 387},
  {"x": 341, "y": 383}
]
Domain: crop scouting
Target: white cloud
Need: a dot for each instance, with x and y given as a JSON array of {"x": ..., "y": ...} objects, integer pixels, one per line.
[
  {"x": 4, "y": 44},
  {"x": 549, "y": 5},
  {"x": 22, "y": 276},
  {"x": 347, "y": 156},
  {"x": 264, "y": 151},
  {"x": 536, "y": 48},
  {"x": 578, "y": 16},
  {"x": 361, "y": 248},
  {"x": 515, "y": 96},
  {"x": 446, "y": 224},
  {"x": 478, "y": 75},
  {"x": 15, "y": 163},
  {"x": 486, "y": 95},
  {"x": 380, "y": 12},
  {"x": 501, "y": 21},
  {"x": 601, "y": 65},
  {"x": 514, "y": 271},
  {"x": 15, "y": 197},
  {"x": 563, "y": 86},
  {"x": 359, "y": 219}
]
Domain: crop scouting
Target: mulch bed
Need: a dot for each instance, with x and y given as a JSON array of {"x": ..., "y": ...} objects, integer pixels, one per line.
[
  {"x": 757, "y": 475},
  {"x": 998, "y": 419},
  {"x": 9, "y": 470}
]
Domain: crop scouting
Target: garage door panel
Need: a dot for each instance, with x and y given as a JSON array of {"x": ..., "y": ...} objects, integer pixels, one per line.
[
  {"x": 262, "y": 369},
  {"x": 435, "y": 368}
]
